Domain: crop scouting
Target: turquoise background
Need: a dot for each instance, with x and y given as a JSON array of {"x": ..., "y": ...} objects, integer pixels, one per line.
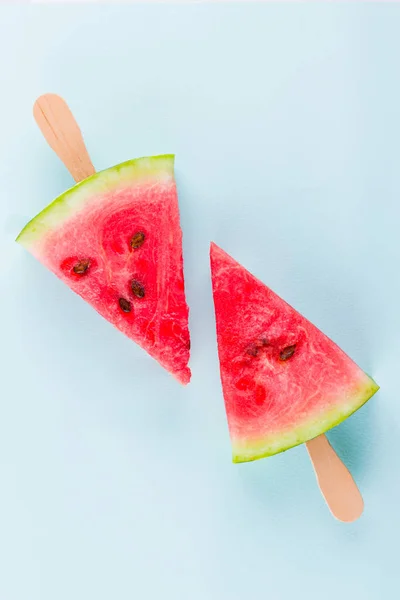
[{"x": 116, "y": 483}]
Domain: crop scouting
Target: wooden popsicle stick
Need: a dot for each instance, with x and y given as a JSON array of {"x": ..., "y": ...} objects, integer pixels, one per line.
[
  {"x": 63, "y": 135},
  {"x": 335, "y": 481}
]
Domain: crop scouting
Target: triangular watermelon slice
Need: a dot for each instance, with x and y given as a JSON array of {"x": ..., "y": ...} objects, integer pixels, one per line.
[
  {"x": 115, "y": 239},
  {"x": 284, "y": 382}
]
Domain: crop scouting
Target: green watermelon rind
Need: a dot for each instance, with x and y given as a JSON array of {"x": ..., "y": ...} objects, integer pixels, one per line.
[
  {"x": 311, "y": 428},
  {"x": 149, "y": 168}
]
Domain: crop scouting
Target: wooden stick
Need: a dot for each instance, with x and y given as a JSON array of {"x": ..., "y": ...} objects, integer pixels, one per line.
[
  {"x": 335, "y": 481},
  {"x": 63, "y": 135}
]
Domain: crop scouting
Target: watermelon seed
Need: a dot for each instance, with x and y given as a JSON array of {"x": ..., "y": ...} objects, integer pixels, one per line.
[
  {"x": 125, "y": 305},
  {"x": 287, "y": 352},
  {"x": 81, "y": 267},
  {"x": 137, "y": 240},
  {"x": 137, "y": 289},
  {"x": 252, "y": 350}
]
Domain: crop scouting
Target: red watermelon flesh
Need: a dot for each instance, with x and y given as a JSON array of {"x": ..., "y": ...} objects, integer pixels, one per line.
[
  {"x": 115, "y": 239},
  {"x": 284, "y": 382}
]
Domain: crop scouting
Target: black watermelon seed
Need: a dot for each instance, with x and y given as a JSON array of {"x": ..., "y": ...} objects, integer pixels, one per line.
[
  {"x": 137, "y": 240},
  {"x": 125, "y": 305},
  {"x": 287, "y": 352},
  {"x": 81, "y": 267},
  {"x": 252, "y": 350},
  {"x": 137, "y": 289}
]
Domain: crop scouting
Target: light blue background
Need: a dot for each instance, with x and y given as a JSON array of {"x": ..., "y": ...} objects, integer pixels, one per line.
[{"x": 116, "y": 483}]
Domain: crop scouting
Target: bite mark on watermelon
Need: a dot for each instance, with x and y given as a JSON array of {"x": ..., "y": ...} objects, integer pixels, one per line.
[
  {"x": 115, "y": 239},
  {"x": 284, "y": 381}
]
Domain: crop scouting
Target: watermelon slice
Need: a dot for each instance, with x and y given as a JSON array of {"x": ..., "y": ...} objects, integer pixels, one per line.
[
  {"x": 284, "y": 382},
  {"x": 115, "y": 239}
]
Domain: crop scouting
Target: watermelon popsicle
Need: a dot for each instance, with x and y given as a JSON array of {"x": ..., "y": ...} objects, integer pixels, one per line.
[
  {"x": 284, "y": 382},
  {"x": 115, "y": 239}
]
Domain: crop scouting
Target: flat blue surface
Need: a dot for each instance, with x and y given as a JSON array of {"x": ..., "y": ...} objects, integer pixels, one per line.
[{"x": 116, "y": 483}]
